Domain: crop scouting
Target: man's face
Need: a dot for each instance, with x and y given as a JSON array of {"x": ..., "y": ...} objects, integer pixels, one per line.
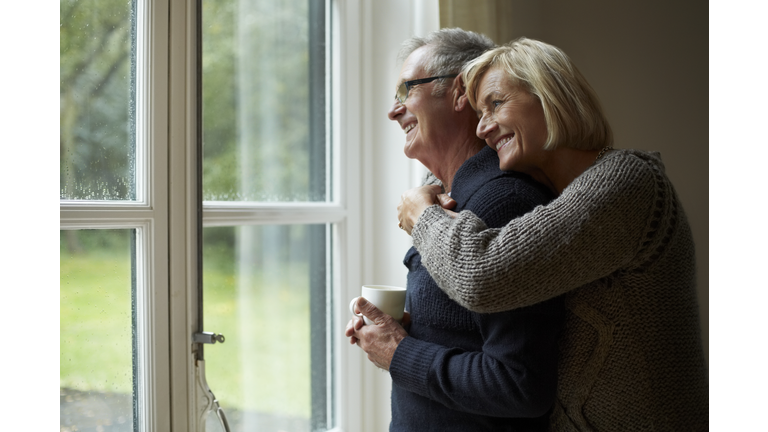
[{"x": 425, "y": 119}]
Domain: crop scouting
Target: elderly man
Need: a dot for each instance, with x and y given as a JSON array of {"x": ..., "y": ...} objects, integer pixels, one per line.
[{"x": 456, "y": 370}]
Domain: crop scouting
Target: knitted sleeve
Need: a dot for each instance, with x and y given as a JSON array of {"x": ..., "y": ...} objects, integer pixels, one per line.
[
  {"x": 430, "y": 179},
  {"x": 593, "y": 228}
]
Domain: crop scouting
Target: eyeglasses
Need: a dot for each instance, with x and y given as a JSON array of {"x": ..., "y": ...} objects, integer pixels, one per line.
[{"x": 402, "y": 91}]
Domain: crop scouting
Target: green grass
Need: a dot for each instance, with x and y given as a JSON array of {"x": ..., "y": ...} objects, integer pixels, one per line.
[
  {"x": 263, "y": 366},
  {"x": 95, "y": 327}
]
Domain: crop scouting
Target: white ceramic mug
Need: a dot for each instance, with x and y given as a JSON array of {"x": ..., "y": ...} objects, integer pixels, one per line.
[{"x": 389, "y": 299}]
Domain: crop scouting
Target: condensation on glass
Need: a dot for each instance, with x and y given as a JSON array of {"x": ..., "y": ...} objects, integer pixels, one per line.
[
  {"x": 265, "y": 288},
  {"x": 97, "y": 324},
  {"x": 263, "y": 91},
  {"x": 96, "y": 141}
]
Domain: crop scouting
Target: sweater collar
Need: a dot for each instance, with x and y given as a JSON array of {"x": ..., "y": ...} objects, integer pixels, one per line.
[{"x": 473, "y": 174}]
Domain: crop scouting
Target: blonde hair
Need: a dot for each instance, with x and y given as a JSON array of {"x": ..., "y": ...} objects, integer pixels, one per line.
[{"x": 571, "y": 107}]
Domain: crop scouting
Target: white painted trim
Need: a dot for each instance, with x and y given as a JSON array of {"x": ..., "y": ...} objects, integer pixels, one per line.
[
  {"x": 98, "y": 204},
  {"x": 226, "y": 214},
  {"x": 146, "y": 355},
  {"x": 347, "y": 137},
  {"x": 152, "y": 181},
  {"x": 182, "y": 213},
  {"x": 83, "y": 219},
  {"x": 145, "y": 33}
]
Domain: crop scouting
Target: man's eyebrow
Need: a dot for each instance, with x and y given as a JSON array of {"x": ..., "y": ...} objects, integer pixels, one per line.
[{"x": 400, "y": 82}]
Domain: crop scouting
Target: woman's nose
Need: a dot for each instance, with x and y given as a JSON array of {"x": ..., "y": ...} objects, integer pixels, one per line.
[
  {"x": 396, "y": 110},
  {"x": 484, "y": 127}
]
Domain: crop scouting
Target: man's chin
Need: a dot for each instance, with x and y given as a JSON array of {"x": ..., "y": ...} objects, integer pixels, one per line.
[{"x": 408, "y": 151}]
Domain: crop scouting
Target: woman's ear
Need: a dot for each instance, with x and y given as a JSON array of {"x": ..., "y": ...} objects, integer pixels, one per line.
[{"x": 460, "y": 100}]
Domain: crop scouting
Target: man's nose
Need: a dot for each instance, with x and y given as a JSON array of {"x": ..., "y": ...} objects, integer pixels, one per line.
[{"x": 397, "y": 109}]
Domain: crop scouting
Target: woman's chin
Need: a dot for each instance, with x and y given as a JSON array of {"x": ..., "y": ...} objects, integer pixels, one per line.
[{"x": 505, "y": 164}]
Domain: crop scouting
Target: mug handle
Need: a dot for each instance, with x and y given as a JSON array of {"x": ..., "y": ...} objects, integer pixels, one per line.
[{"x": 352, "y": 307}]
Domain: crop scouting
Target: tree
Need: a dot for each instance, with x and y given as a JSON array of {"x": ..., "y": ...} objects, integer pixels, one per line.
[{"x": 96, "y": 98}]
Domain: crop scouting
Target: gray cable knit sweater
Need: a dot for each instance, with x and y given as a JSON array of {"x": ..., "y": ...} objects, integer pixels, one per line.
[{"x": 617, "y": 243}]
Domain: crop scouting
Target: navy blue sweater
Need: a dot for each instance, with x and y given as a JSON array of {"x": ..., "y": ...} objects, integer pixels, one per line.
[{"x": 462, "y": 371}]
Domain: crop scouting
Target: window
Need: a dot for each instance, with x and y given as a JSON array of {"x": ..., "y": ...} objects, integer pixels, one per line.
[
  {"x": 113, "y": 274},
  {"x": 283, "y": 243},
  {"x": 269, "y": 215},
  {"x": 128, "y": 240}
]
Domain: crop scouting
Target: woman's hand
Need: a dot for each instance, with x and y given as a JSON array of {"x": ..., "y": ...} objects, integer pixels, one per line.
[
  {"x": 380, "y": 339},
  {"x": 413, "y": 202}
]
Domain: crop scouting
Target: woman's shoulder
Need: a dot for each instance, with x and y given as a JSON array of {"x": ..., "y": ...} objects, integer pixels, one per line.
[
  {"x": 627, "y": 167},
  {"x": 640, "y": 159},
  {"x": 620, "y": 179}
]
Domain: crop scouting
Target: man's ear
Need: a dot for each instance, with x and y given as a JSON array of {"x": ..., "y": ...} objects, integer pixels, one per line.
[{"x": 460, "y": 100}]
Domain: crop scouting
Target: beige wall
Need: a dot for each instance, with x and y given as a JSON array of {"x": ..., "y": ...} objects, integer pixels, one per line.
[{"x": 648, "y": 62}]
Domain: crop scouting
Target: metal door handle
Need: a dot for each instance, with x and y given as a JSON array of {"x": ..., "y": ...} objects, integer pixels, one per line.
[{"x": 207, "y": 338}]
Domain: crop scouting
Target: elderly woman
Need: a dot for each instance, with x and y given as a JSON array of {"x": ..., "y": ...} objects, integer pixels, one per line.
[{"x": 615, "y": 241}]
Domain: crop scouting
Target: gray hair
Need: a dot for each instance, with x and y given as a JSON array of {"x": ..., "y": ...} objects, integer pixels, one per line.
[{"x": 450, "y": 48}]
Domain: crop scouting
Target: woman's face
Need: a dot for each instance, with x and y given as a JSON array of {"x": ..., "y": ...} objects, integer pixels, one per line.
[{"x": 511, "y": 122}]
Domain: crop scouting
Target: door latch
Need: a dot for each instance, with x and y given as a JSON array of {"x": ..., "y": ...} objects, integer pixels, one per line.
[{"x": 207, "y": 338}]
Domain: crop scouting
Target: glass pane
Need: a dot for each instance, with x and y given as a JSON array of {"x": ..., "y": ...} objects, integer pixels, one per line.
[
  {"x": 96, "y": 330},
  {"x": 96, "y": 95},
  {"x": 263, "y": 66},
  {"x": 265, "y": 290}
]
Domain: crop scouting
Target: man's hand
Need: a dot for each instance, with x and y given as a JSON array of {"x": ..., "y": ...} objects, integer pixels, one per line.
[{"x": 380, "y": 339}]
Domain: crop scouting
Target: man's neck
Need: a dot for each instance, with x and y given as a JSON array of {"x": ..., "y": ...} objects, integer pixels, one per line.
[{"x": 446, "y": 167}]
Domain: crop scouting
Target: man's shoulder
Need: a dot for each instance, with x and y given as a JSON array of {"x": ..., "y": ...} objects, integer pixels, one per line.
[
  {"x": 499, "y": 202},
  {"x": 512, "y": 187}
]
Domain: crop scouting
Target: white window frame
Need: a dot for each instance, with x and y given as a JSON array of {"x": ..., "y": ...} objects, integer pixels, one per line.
[
  {"x": 148, "y": 215},
  {"x": 183, "y": 236}
]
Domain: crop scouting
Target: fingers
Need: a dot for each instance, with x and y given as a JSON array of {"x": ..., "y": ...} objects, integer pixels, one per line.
[
  {"x": 406, "y": 318},
  {"x": 380, "y": 341},
  {"x": 446, "y": 201},
  {"x": 413, "y": 202},
  {"x": 350, "y": 330},
  {"x": 451, "y": 213},
  {"x": 353, "y": 326},
  {"x": 371, "y": 311},
  {"x": 406, "y": 323}
]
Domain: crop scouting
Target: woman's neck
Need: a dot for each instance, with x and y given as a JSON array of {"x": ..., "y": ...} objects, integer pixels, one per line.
[{"x": 563, "y": 166}]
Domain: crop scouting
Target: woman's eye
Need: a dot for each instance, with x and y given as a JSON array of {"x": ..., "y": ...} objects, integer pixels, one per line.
[{"x": 496, "y": 103}]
